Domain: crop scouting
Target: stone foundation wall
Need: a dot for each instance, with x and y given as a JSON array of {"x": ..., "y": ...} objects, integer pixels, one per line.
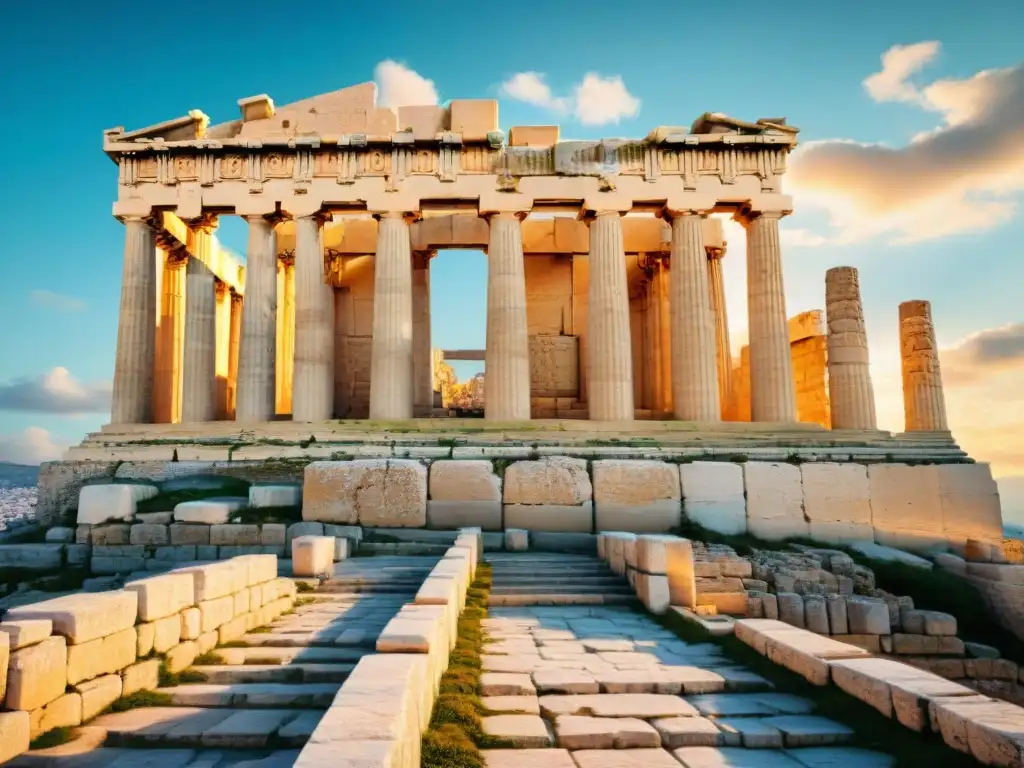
[{"x": 66, "y": 660}]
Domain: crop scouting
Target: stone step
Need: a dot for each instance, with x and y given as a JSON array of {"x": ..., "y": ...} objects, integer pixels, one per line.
[
  {"x": 291, "y": 639},
  {"x": 253, "y": 695},
  {"x": 525, "y": 580},
  {"x": 275, "y": 673},
  {"x": 543, "y": 589},
  {"x": 167, "y": 757},
  {"x": 199, "y": 726},
  {"x": 267, "y": 655},
  {"x": 561, "y": 599}
]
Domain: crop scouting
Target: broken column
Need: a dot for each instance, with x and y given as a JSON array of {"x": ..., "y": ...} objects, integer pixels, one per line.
[
  {"x": 851, "y": 395},
  {"x": 924, "y": 404}
]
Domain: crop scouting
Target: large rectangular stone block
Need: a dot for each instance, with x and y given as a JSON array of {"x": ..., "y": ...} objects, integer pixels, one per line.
[
  {"x": 556, "y": 481},
  {"x": 774, "y": 500},
  {"x": 217, "y": 612},
  {"x": 215, "y": 580},
  {"x": 165, "y": 595},
  {"x": 235, "y": 535},
  {"x": 636, "y": 495},
  {"x": 185, "y": 534},
  {"x": 313, "y": 556},
  {"x": 32, "y": 557},
  {"x": 551, "y": 517},
  {"x": 14, "y": 734},
  {"x": 112, "y": 501},
  {"x": 906, "y": 509},
  {"x": 713, "y": 495},
  {"x": 970, "y": 504},
  {"x": 85, "y": 616},
  {"x": 464, "y": 480},
  {"x": 837, "y": 501},
  {"x": 98, "y": 694},
  {"x": 148, "y": 534},
  {"x": 449, "y": 515},
  {"x": 390, "y": 493},
  {"x": 275, "y": 495},
  {"x": 214, "y": 511},
  {"x": 20, "y": 634},
  {"x": 37, "y": 675}
]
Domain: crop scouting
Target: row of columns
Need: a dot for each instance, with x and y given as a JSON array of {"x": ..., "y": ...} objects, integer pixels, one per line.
[{"x": 699, "y": 345}]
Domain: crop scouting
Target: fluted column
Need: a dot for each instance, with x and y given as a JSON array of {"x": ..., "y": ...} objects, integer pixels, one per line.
[
  {"x": 507, "y": 354},
  {"x": 258, "y": 343},
  {"x": 661, "y": 379},
  {"x": 723, "y": 352},
  {"x": 391, "y": 358},
  {"x": 924, "y": 403},
  {"x": 234, "y": 347},
  {"x": 423, "y": 360},
  {"x": 285, "y": 366},
  {"x": 694, "y": 368},
  {"x": 772, "y": 393},
  {"x": 170, "y": 340},
  {"x": 313, "y": 382},
  {"x": 199, "y": 379},
  {"x": 136, "y": 327},
  {"x": 222, "y": 344},
  {"x": 609, "y": 359},
  {"x": 851, "y": 395}
]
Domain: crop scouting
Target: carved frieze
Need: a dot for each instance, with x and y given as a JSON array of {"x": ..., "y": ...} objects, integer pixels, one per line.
[
  {"x": 302, "y": 167},
  {"x": 233, "y": 167},
  {"x": 477, "y": 159},
  {"x": 278, "y": 166},
  {"x": 424, "y": 161},
  {"x": 325, "y": 164},
  {"x": 206, "y": 169},
  {"x": 185, "y": 168},
  {"x": 348, "y": 166},
  {"x": 145, "y": 168},
  {"x": 374, "y": 162}
]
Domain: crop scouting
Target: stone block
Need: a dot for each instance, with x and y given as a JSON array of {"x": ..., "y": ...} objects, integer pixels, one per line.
[
  {"x": 816, "y": 614},
  {"x": 113, "y": 501},
  {"x": 147, "y": 534},
  {"x": 556, "y": 481},
  {"x": 14, "y": 734},
  {"x": 145, "y": 633},
  {"x": 191, "y": 623},
  {"x": 791, "y": 609},
  {"x": 215, "y": 580},
  {"x": 917, "y": 622},
  {"x": 214, "y": 511},
  {"x": 713, "y": 497},
  {"x": 341, "y": 549},
  {"x": 652, "y": 553},
  {"x": 235, "y": 535},
  {"x": 166, "y": 633},
  {"x": 474, "y": 119},
  {"x": 837, "y": 501},
  {"x": 774, "y": 500},
  {"x": 273, "y": 534},
  {"x": 62, "y": 712},
  {"x": 183, "y": 534},
  {"x": 98, "y": 694},
  {"x": 83, "y": 617},
  {"x": 60, "y": 535},
  {"x": 424, "y": 122},
  {"x": 275, "y": 495},
  {"x": 304, "y": 529},
  {"x": 37, "y": 674},
  {"x": 32, "y": 557},
  {"x": 20, "y": 634},
  {"x": 969, "y": 500},
  {"x": 143, "y": 675},
  {"x": 464, "y": 480},
  {"x": 214, "y": 613},
  {"x": 353, "y": 533},
  {"x": 906, "y": 506},
  {"x": 926, "y": 645},
  {"x": 506, "y": 684},
  {"x": 109, "y": 535},
  {"x": 449, "y": 515},
  {"x": 867, "y": 616},
  {"x": 835, "y": 606},
  {"x": 160, "y": 596},
  {"x": 389, "y": 493},
  {"x": 313, "y": 556},
  {"x": 181, "y": 656},
  {"x": 517, "y": 539},
  {"x": 550, "y": 517},
  {"x": 653, "y": 591},
  {"x": 523, "y": 731},
  {"x": 637, "y": 496}
]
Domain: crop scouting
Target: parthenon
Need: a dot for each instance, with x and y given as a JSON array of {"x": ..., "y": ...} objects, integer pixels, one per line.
[{"x": 604, "y": 293}]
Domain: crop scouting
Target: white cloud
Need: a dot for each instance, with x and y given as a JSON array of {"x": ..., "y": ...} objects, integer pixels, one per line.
[
  {"x": 56, "y": 301},
  {"x": 959, "y": 177},
  {"x": 531, "y": 88},
  {"x": 33, "y": 446},
  {"x": 399, "y": 86},
  {"x": 55, "y": 392},
  {"x": 595, "y": 100}
]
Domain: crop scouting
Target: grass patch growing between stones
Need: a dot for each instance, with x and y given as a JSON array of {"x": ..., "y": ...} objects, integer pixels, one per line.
[
  {"x": 873, "y": 730},
  {"x": 168, "y": 679},
  {"x": 456, "y": 736},
  {"x": 140, "y": 699},
  {"x": 53, "y": 738},
  {"x": 208, "y": 658},
  {"x": 304, "y": 586}
]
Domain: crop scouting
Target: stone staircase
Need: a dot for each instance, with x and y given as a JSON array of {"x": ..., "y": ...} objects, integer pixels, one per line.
[
  {"x": 263, "y": 696},
  {"x": 547, "y": 578}
]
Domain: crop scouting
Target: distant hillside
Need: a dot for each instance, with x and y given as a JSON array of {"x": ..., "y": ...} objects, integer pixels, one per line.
[{"x": 17, "y": 475}]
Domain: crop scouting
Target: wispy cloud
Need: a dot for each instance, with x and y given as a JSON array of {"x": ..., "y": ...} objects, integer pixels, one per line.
[
  {"x": 55, "y": 392},
  {"x": 33, "y": 446},
  {"x": 56, "y": 301},
  {"x": 595, "y": 100},
  {"x": 399, "y": 86}
]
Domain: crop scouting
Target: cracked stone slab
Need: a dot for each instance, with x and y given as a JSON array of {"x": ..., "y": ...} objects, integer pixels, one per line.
[
  {"x": 527, "y": 731},
  {"x": 565, "y": 681},
  {"x": 687, "y": 732},
  {"x": 527, "y": 758},
  {"x": 731, "y": 704},
  {"x": 624, "y": 758},
  {"x": 581, "y": 732}
]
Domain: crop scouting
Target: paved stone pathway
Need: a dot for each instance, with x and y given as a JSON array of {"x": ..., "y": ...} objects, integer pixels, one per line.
[
  {"x": 604, "y": 686},
  {"x": 262, "y": 702}
]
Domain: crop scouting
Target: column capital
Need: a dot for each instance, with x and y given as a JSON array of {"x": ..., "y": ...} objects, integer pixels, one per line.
[
  {"x": 714, "y": 252},
  {"x": 145, "y": 218},
  {"x": 273, "y": 219},
  {"x": 421, "y": 259},
  {"x": 408, "y": 216},
  {"x": 669, "y": 214},
  {"x": 286, "y": 259},
  {"x": 489, "y": 215},
  {"x": 321, "y": 217},
  {"x": 747, "y": 216},
  {"x": 592, "y": 215},
  {"x": 207, "y": 222}
]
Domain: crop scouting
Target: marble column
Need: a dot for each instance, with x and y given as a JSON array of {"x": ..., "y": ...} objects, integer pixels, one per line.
[
  {"x": 170, "y": 341},
  {"x": 507, "y": 352},
  {"x": 723, "y": 353},
  {"x": 200, "y": 354},
  {"x": 222, "y": 356},
  {"x": 772, "y": 392},
  {"x": 285, "y": 365},
  {"x": 136, "y": 327},
  {"x": 609, "y": 359},
  {"x": 656, "y": 324},
  {"x": 924, "y": 404},
  {"x": 423, "y": 360},
  {"x": 391, "y": 356},
  {"x": 851, "y": 395},
  {"x": 234, "y": 346},
  {"x": 313, "y": 382},
  {"x": 257, "y": 346},
  {"x": 694, "y": 368}
]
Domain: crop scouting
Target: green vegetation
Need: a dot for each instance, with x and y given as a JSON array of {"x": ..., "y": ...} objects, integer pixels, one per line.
[
  {"x": 456, "y": 735},
  {"x": 873, "y": 730},
  {"x": 259, "y": 630},
  {"x": 53, "y": 738},
  {"x": 301, "y": 601},
  {"x": 262, "y": 515},
  {"x": 209, "y": 658},
  {"x": 140, "y": 699},
  {"x": 304, "y": 586},
  {"x": 168, "y": 679}
]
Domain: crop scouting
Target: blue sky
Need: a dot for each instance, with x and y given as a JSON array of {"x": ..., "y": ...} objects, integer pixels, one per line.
[{"x": 74, "y": 71}]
